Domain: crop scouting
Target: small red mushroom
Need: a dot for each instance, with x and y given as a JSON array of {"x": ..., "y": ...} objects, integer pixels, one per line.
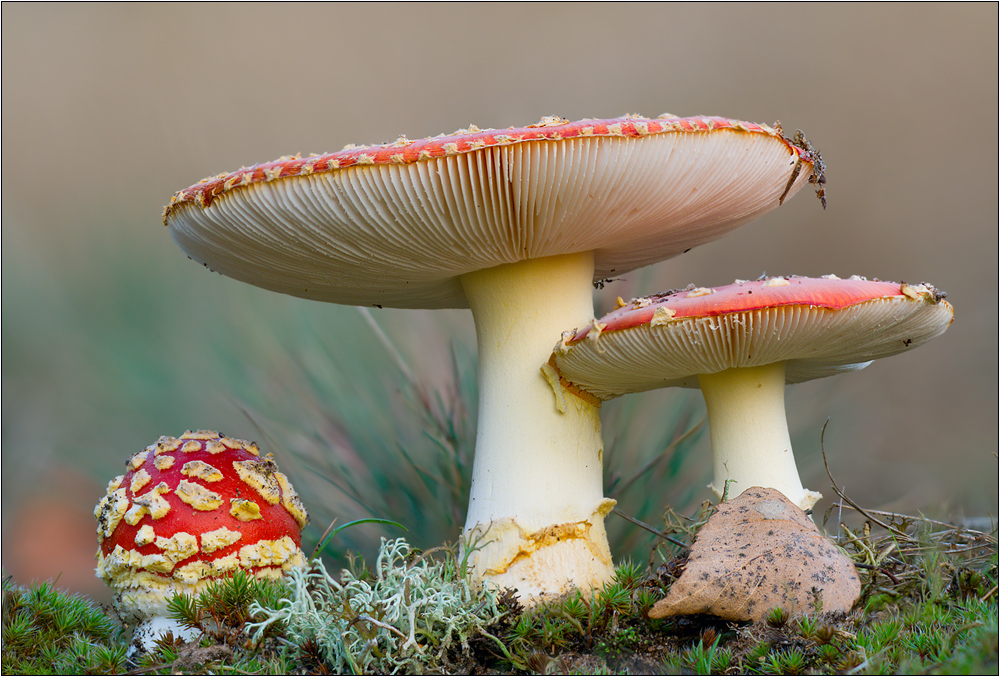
[{"x": 189, "y": 510}]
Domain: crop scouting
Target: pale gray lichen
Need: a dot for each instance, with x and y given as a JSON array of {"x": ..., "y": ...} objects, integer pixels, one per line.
[{"x": 405, "y": 619}]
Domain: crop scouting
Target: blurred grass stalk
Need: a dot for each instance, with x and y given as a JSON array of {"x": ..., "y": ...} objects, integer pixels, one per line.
[{"x": 111, "y": 343}]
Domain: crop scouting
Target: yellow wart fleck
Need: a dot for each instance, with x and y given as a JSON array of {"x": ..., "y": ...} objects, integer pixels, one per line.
[
  {"x": 218, "y": 539},
  {"x": 662, "y": 316},
  {"x": 137, "y": 460},
  {"x": 178, "y": 547},
  {"x": 291, "y": 501},
  {"x": 244, "y": 510},
  {"x": 145, "y": 535},
  {"x": 197, "y": 496},
  {"x": 163, "y": 462},
  {"x": 260, "y": 475},
  {"x": 202, "y": 471}
]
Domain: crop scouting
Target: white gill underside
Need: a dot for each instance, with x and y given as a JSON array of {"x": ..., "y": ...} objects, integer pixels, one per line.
[
  {"x": 400, "y": 235},
  {"x": 813, "y": 342}
]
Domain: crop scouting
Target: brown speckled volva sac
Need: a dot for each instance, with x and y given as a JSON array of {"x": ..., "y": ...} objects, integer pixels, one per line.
[
  {"x": 758, "y": 552},
  {"x": 189, "y": 509}
]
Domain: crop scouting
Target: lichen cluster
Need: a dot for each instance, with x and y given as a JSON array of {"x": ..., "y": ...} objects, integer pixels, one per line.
[{"x": 402, "y": 617}]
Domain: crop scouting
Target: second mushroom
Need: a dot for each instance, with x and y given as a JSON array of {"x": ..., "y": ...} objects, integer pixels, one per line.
[{"x": 741, "y": 344}]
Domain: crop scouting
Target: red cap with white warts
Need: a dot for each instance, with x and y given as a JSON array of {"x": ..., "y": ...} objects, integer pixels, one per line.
[
  {"x": 191, "y": 509},
  {"x": 816, "y": 326},
  {"x": 395, "y": 225}
]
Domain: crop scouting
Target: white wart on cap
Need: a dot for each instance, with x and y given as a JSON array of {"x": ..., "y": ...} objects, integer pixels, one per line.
[
  {"x": 741, "y": 344},
  {"x": 515, "y": 224}
]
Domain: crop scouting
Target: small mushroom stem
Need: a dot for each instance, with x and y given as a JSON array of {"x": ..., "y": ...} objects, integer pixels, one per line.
[
  {"x": 750, "y": 442},
  {"x": 152, "y": 629},
  {"x": 537, "y": 499}
]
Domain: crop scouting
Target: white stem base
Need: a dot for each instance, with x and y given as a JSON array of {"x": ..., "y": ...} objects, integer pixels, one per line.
[
  {"x": 750, "y": 442},
  {"x": 537, "y": 480},
  {"x": 150, "y": 630}
]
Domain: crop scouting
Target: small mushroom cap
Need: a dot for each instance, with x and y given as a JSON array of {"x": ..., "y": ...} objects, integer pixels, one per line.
[
  {"x": 396, "y": 224},
  {"x": 190, "y": 509},
  {"x": 816, "y": 326}
]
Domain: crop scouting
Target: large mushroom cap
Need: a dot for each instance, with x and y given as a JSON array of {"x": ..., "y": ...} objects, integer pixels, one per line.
[
  {"x": 816, "y": 326},
  {"x": 397, "y": 224}
]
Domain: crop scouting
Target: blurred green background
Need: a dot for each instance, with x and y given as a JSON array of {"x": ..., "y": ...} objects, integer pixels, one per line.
[{"x": 111, "y": 337}]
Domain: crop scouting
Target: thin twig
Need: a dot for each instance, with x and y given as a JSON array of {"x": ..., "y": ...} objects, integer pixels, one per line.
[
  {"x": 617, "y": 491},
  {"x": 920, "y": 519},
  {"x": 322, "y": 539},
  {"x": 649, "y": 528},
  {"x": 879, "y": 569},
  {"x": 386, "y": 626},
  {"x": 426, "y": 553},
  {"x": 840, "y": 493}
]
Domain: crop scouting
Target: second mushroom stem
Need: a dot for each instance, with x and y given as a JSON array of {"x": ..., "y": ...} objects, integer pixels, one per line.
[
  {"x": 750, "y": 441},
  {"x": 537, "y": 499}
]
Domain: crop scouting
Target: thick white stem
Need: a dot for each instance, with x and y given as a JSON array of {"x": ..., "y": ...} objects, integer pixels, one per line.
[
  {"x": 537, "y": 479},
  {"x": 750, "y": 442}
]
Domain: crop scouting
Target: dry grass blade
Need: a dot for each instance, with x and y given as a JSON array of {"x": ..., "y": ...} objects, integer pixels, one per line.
[
  {"x": 648, "y": 528},
  {"x": 843, "y": 497},
  {"x": 618, "y": 490}
]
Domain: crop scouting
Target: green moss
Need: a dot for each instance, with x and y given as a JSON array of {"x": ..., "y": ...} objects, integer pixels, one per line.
[
  {"x": 416, "y": 612},
  {"x": 47, "y": 631}
]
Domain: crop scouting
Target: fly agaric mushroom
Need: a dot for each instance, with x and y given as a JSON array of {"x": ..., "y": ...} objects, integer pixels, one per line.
[
  {"x": 515, "y": 224},
  {"x": 741, "y": 344},
  {"x": 187, "y": 511}
]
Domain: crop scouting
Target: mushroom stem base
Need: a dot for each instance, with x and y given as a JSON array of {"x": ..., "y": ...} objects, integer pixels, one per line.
[
  {"x": 544, "y": 564},
  {"x": 537, "y": 490},
  {"x": 750, "y": 442},
  {"x": 150, "y": 630}
]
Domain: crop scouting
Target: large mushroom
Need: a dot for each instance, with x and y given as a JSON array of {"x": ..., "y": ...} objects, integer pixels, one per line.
[
  {"x": 741, "y": 344},
  {"x": 189, "y": 510},
  {"x": 515, "y": 224}
]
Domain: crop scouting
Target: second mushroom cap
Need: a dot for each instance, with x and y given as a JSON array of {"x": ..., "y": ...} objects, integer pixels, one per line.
[{"x": 817, "y": 326}]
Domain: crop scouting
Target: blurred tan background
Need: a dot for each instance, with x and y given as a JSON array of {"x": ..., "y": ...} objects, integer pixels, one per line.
[{"x": 110, "y": 109}]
